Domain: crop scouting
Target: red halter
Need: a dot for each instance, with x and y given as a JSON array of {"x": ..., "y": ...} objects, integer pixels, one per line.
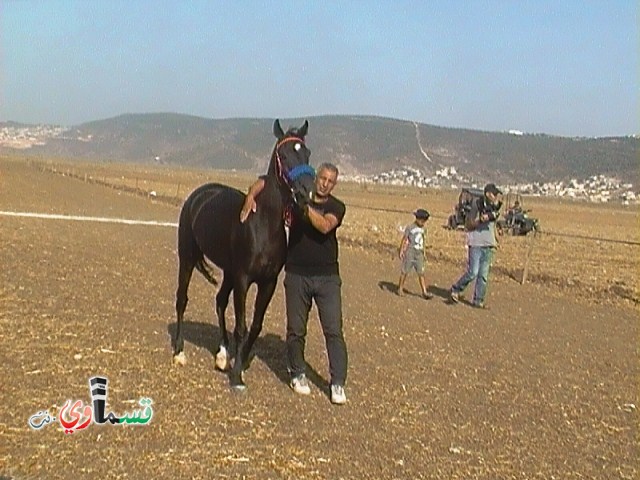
[
  {"x": 288, "y": 210},
  {"x": 279, "y": 172}
]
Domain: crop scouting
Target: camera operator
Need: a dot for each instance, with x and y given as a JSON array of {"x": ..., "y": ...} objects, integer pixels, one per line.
[{"x": 480, "y": 223}]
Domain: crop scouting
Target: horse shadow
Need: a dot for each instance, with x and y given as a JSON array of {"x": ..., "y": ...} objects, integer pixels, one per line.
[
  {"x": 203, "y": 335},
  {"x": 272, "y": 351},
  {"x": 269, "y": 348}
]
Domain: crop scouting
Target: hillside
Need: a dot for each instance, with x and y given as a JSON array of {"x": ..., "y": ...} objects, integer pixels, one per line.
[{"x": 358, "y": 144}]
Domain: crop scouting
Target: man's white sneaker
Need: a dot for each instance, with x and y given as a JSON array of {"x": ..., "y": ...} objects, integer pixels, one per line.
[
  {"x": 300, "y": 384},
  {"x": 338, "y": 396}
]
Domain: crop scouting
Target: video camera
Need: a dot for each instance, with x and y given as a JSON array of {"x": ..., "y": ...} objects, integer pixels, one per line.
[{"x": 488, "y": 208}]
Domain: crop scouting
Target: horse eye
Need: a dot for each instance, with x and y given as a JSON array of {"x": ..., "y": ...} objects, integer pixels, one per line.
[{"x": 297, "y": 147}]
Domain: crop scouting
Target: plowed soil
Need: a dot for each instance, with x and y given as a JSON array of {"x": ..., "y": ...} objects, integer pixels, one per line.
[{"x": 543, "y": 385}]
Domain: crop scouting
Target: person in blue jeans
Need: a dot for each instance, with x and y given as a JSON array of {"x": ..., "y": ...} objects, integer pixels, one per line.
[{"x": 480, "y": 223}]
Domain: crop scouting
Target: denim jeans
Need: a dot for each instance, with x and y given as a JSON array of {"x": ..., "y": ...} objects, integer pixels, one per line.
[
  {"x": 300, "y": 291},
  {"x": 478, "y": 270}
]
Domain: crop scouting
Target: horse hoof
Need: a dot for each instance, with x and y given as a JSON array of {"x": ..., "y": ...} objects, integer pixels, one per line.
[
  {"x": 180, "y": 359},
  {"x": 239, "y": 388},
  {"x": 237, "y": 382},
  {"x": 222, "y": 359},
  {"x": 222, "y": 364}
]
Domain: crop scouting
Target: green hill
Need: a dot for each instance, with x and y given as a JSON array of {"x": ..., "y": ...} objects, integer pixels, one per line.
[{"x": 357, "y": 144}]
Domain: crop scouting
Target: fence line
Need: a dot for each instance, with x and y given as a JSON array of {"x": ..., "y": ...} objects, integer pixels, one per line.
[
  {"x": 71, "y": 173},
  {"x": 586, "y": 237},
  {"x": 176, "y": 200},
  {"x": 543, "y": 232}
]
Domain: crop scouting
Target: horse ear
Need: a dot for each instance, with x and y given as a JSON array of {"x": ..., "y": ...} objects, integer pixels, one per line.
[
  {"x": 277, "y": 129},
  {"x": 302, "y": 131}
]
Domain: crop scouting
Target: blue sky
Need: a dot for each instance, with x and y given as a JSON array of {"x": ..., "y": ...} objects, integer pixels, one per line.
[{"x": 566, "y": 68}]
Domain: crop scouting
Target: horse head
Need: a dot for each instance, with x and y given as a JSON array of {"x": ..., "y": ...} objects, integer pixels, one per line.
[{"x": 290, "y": 162}]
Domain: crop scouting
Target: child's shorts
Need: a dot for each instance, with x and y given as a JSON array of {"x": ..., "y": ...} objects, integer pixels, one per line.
[{"x": 413, "y": 260}]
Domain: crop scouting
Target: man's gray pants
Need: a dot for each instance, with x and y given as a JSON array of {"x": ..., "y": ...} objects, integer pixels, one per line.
[{"x": 325, "y": 290}]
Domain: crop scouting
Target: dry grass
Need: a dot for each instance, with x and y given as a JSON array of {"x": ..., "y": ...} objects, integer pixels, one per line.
[
  {"x": 544, "y": 387},
  {"x": 590, "y": 250}
]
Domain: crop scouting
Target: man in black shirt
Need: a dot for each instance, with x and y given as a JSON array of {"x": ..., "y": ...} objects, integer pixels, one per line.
[{"x": 312, "y": 273}]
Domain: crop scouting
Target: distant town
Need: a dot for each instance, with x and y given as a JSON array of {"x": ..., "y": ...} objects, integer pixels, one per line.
[
  {"x": 597, "y": 188},
  {"x": 26, "y": 137}
]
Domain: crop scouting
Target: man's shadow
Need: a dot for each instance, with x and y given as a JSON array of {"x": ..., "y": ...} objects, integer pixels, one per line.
[
  {"x": 393, "y": 288},
  {"x": 439, "y": 292},
  {"x": 269, "y": 348}
]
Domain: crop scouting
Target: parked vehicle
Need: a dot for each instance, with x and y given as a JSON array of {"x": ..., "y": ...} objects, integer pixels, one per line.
[
  {"x": 516, "y": 220},
  {"x": 465, "y": 199}
]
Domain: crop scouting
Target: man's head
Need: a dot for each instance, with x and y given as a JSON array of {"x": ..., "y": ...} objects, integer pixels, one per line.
[
  {"x": 421, "y": 216},
  {"x": 326, "y": 179},
  {"x": 492, "y": 193}
]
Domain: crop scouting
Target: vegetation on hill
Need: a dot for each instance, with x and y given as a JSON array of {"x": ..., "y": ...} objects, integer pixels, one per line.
[{"x": 357, "y": 144}]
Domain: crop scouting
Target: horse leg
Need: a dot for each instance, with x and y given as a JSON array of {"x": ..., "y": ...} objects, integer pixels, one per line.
[
  {"x": 240, "y": 287},
  {"x": 263, "y": 298},
  {"x": 222, "y": 300},
  {"x": 184, "y": 277}
]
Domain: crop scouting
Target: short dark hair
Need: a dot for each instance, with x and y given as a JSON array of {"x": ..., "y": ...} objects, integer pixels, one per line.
[
  {"x": 422, "y": 214},
  {"x": 491, "y": 188}
]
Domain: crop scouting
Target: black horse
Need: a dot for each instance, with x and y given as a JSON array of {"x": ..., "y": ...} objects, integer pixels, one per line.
[{"x": 253, "y": 251}]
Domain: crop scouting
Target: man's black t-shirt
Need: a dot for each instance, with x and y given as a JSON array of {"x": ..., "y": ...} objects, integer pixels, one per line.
[{"x": 310, "y": 251}]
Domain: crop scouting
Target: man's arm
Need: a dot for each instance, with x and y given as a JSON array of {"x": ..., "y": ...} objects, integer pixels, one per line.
[
  {"x": 250, "y": 200},
  {"x": 323, "y": 223}
]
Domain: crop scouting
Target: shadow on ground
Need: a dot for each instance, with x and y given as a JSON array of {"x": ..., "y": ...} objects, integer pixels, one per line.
[
  {"x": 391, "y": 287},
  {"x": 270, "y": 349}
]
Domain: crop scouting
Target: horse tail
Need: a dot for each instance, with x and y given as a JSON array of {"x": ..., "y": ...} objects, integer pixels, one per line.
[
  {"x": 188, "y": 247},
  {"x": 207, "y": 272}
]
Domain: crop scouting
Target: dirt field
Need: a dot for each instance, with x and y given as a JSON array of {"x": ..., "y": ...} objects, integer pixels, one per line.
[{"x": 543, "y": 385}]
